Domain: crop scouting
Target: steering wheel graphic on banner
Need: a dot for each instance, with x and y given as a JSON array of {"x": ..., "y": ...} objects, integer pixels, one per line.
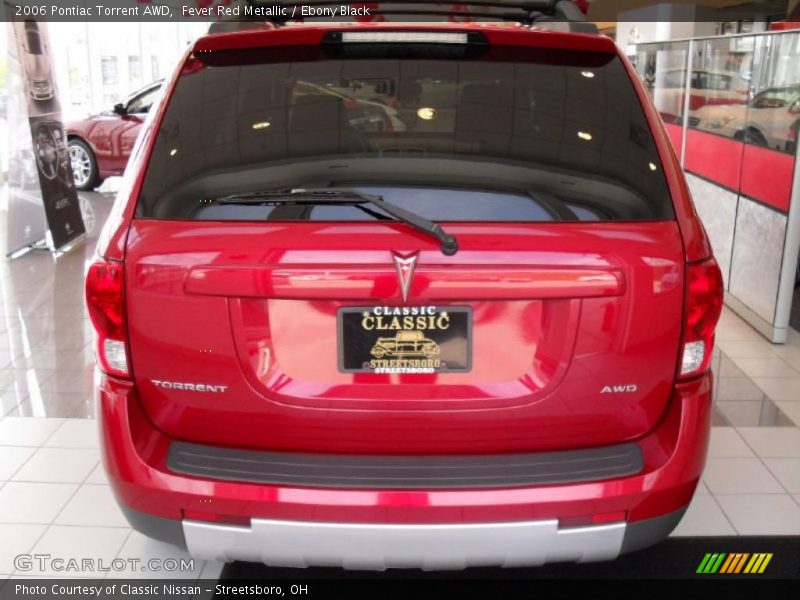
[{"x": 46, "y": 150}]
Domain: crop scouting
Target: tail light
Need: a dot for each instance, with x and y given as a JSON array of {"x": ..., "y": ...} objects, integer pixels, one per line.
[
  {"x": 703, "y": 307},
  {"x": 105, "y": 302}
]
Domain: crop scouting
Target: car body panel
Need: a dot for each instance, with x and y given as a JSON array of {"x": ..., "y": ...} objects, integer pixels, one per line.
[
  {"x": 111, "y": 138},
  {"x": 135, "y": 454},
  {"x": 530, "y": 356}
]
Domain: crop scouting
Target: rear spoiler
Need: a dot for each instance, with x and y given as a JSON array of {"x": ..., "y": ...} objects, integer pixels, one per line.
[{"x": 559, "y": 15}]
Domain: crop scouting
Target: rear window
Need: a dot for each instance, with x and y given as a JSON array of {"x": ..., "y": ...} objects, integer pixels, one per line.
[{"x": 512, "y": 134}]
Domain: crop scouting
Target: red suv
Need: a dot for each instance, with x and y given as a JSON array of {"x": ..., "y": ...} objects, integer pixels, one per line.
[{"x": 524, "y": 215}]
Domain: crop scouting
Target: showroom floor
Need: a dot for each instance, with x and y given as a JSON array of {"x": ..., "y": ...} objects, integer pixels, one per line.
[{"x": 54, "y": 497}]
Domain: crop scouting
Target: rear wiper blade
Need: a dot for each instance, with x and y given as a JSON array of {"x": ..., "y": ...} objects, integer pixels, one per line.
[{"x": 449, "y": 244}]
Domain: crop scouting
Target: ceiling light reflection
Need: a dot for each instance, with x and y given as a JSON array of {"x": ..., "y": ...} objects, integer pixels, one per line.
[{"x": 426, "y": 113}]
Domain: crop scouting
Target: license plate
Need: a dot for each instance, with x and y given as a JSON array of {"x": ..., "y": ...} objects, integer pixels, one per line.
[{"x": 405, "y": 339}]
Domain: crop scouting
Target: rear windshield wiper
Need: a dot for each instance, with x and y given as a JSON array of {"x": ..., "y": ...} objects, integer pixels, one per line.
[{"x": 449, "y": 244}]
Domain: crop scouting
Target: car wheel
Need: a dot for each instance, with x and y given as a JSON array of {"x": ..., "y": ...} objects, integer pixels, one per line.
[
  {"x": 84, "y": 165},
  {"x": 751, "y": 136}
]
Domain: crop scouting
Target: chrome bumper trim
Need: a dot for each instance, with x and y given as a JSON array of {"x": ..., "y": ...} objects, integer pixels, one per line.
[{"x": 372, "y": 546}]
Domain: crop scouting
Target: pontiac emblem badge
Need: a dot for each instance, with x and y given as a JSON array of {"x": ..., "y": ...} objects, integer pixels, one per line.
[{"x": 405, "y": 271}]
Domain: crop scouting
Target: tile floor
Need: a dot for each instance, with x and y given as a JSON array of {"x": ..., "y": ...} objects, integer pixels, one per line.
[{"x": 54, "y": 497}]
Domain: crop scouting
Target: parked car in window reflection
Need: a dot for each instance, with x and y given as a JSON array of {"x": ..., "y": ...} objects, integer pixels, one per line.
[
  {"x": 100, "y": 145},
  {"x": 707, "y": 88},
  {"x": 770, "y": 119}
]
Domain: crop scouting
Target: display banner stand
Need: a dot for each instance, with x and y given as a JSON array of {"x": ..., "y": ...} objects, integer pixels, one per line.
[{"x": 40, "y": 174}]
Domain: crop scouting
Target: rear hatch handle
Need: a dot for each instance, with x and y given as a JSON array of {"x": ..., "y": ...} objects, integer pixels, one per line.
[{"x": 431, "y": 282}]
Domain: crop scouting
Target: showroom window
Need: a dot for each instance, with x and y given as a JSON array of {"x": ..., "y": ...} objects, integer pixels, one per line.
[
  {"x": 663, "y": 70},
  {"x": 744, "y": 87},
  {"x": 135, "y": 70},
  {"x": 100, "y": 64},
  {"x": 738, "y": 147}
]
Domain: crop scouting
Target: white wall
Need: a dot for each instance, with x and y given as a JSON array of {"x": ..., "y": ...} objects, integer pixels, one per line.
[{"x": 99, "y": 64}]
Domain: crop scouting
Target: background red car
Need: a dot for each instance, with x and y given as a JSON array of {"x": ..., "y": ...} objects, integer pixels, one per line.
[{"x": 99, "y": 145}]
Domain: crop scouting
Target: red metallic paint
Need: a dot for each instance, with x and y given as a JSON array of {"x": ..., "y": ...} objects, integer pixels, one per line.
[
  {"x": 111, "y": 138},
  {"x": 530, "y": 355},
  {"x": 358, "y": 282},
  {"x": 345, "y": 413},
  {"x": 510, "y": 34},
  {"x": 134, "y": 454}
]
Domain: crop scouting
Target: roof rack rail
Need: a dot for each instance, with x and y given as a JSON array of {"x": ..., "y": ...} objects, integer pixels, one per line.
[{"x": 539, "y": 13}]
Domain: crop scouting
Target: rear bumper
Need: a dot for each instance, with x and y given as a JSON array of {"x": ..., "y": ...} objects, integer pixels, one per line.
[
  {"x": 375, "y": 529},
  {"x": 374, "y": 546}
]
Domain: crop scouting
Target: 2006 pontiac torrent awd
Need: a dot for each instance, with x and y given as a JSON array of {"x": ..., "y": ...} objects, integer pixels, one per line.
[{"x": 404, "y": 296}]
